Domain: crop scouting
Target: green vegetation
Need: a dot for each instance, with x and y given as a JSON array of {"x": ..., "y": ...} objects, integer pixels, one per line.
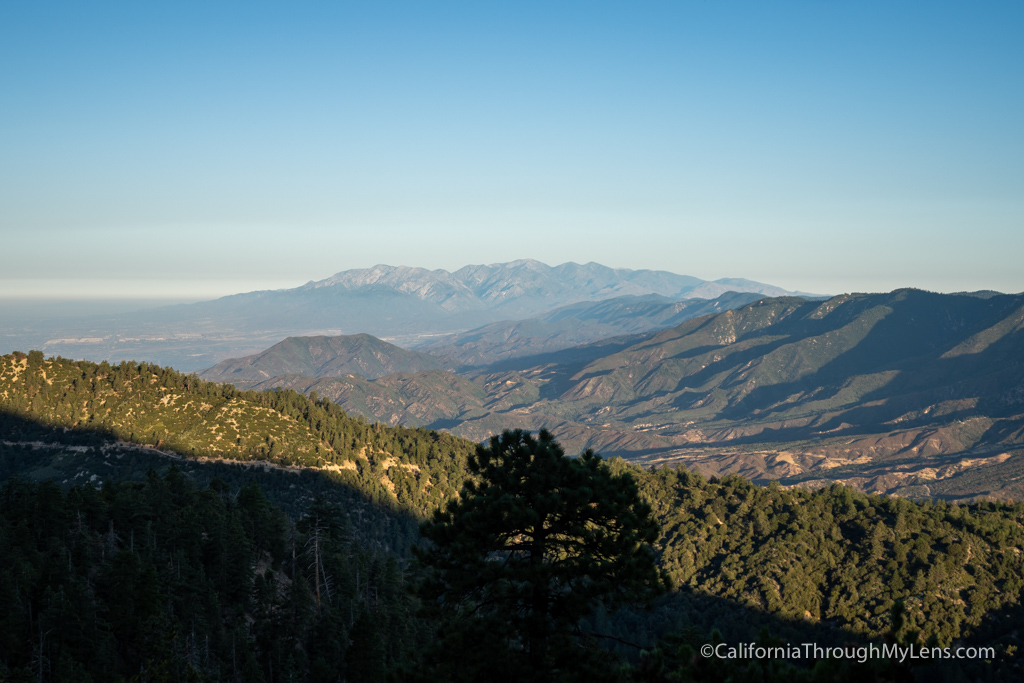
[
  {"x": 405, "y": 398},
  {"x": 536, "y": 541},
  {"x": 839, "y": 557},
  {"x": 160, "y": 581},
  {"x": 147, "y": 404},
  {"x": 826, "y": 566}
]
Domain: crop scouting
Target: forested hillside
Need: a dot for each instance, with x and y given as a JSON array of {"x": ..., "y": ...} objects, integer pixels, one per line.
[
  {"x": 837, "y": 556},
  {"x": 177, "y": 413},
  {"x": 160, "y": 581},
  {"x": 829, "y": 565}
]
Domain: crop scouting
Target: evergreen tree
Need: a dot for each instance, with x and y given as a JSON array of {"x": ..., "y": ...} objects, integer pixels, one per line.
[{"x": 535, "y": 542}]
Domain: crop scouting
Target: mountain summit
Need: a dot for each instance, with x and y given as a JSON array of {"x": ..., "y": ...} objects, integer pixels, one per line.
[
  {"x": 527, "y": 287},
  {"x": 358, "y": 354},
  {"x": 405, "y": 305}
]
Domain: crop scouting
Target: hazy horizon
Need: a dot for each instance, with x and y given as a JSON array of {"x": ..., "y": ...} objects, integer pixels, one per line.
[
  {"x": 187, "y": 151},
  {"x": 38, "y": 299}
]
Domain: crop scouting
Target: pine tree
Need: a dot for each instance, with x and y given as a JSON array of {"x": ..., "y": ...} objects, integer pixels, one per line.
[{"x": 535, "y": 542}]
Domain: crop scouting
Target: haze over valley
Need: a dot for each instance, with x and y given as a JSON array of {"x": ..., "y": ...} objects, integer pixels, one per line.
[{"x": 410, "y": 306}]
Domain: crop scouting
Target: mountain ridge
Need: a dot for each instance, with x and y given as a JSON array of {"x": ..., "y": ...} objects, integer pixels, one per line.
[
  {"x": 576, "y": 324},
  {"x": 402, "y": 304},
  {"x": 523, "y": 285},
  {"x": 805, "y": 391}
]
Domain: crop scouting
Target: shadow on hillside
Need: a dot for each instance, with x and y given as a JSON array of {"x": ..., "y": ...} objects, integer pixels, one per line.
[
  {"x": 575, "y": 357},
  {"x": 911, "y": 340},
  {"x": 37, "y": 451},
  {"x": 69, "y": 457},
  {"x": 696, "y": 619},
  {"x": 885, "y": 341},
  {"x": 685, "y": 611},
  {"x": 1005, "y": 430},
  {"x": 800, "y": 327}
]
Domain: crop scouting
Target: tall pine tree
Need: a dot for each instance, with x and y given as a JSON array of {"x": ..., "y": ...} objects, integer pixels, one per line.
[{"x": 535, "y": 542}]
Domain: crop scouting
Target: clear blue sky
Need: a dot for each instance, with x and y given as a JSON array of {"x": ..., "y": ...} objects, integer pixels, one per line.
[{"x": 190, "y": 149}]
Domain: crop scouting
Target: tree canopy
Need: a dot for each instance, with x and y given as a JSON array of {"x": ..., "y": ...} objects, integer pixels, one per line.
[{"x": 534, "y": 543}]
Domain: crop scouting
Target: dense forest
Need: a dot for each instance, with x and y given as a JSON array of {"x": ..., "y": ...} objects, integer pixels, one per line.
[
  {"x": 161, "y": 581},
  {"x": 838, "y": 557},
  {"x": 157, "y": 527}
]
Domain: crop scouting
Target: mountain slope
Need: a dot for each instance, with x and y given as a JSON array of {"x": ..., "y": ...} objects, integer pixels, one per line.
[
  {"x": 787, "y": 388},
  {"x": 789, "y": 358},
  {"x": 576, "y": 324},
  {"x": 909, "y": 392},
  {"x": 321, "y": 356},
  {"x": 744, "y": 556},
  {"x": 178, "y": 415},
  {"x": 435, "y": 398},
  {"x": 823, "y": 566}
]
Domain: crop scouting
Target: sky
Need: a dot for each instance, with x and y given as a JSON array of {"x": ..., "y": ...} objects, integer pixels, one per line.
[{"x": 188, "y": 150}]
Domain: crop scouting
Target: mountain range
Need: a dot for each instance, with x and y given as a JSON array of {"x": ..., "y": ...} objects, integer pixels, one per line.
[
  {"x": 908, "y": 392},
  {"x": 404, "y": 305},
  {"x": 131, "y": 489}
]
